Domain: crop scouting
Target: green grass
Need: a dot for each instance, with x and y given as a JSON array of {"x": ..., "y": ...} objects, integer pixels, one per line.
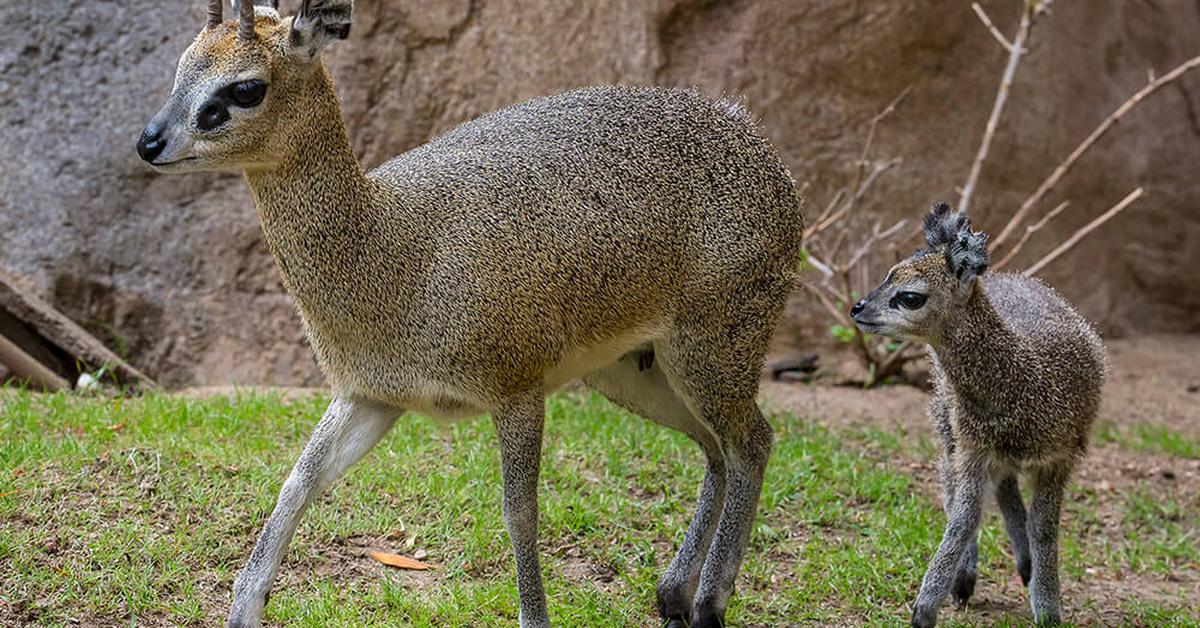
[
  {"x": 139, "y": 512},
  {"x": 1151, "y": 438}
]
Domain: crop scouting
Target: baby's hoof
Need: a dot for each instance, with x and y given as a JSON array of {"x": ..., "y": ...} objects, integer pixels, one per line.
[
  {"x": 924, "y": 617},
  {"x": 963, "y": 588}
]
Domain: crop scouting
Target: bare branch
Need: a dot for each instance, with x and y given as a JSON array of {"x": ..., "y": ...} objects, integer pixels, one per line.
[
  {"x": 896, "y": 360},
  {"x": 890, "y": 109},
  {"x": 860, "y": 185},
  {"x": 1029, "y": 231},
  {"x": 830, "y": 306},
  {"x": 870, "y": 242},
  {"x": 878, "y": 169},
  {"x": 833, "y": 203},
  {"x": 1088, "y": 228},
  {"x": 987, "y": 21},
  {"x": 1015, "y": 50},
  {"x": 1104, "y": 127},
  {"x": 821, "y": 267}
]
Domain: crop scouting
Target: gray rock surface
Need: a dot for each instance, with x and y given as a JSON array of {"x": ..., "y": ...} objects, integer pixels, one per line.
[{"x": 171, "y": 270}]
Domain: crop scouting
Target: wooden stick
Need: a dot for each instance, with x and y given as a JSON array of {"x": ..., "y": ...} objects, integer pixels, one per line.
[
  {"x": 1088, "y": 228},
  {"x": 987, "y": 21},
  {"x": 1015, "y": 50},
  {"x": 1104, "y": 127},
  {"x": 1029, "y": 231},
  {"x": 25, "y": 366}
]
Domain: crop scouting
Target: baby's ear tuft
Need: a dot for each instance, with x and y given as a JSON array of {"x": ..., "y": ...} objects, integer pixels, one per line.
[
  {"x": 942, "y": 225},
  {"x": 966, "y": 259}
]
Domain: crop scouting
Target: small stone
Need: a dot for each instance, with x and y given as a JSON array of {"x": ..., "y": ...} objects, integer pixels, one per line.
[{"x": 420, "y": 554}]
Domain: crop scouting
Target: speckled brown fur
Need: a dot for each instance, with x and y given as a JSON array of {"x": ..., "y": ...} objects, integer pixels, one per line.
[
  {"x": 643, "y": 239},
  {"x": 1017, "y": 374}
]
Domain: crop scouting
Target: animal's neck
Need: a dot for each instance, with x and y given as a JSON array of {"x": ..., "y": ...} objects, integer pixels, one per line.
[
  {"x": 315, "y": 202},
  {"x": 980, "y": 352}
]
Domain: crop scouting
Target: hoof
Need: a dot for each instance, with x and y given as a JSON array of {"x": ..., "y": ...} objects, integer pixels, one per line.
[
  {"x": 923, "y": 618},
  {"x": 711, "y": 621},
  {"x": 707, "y": 617},
  {"x": 1025, "y": 570},
  {"x": 673, "y": 608},
  {"x": 963, "y": 587}
]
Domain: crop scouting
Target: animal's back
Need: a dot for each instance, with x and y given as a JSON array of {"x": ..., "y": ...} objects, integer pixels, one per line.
[
  {"x": 668, "y": 169},
  {"x": 563, "y": 231},
  {"x": 1055, "y": 331}
]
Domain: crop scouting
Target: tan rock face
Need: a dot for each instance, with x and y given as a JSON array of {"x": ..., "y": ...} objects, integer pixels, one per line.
[{"x": 172, "y": 270}]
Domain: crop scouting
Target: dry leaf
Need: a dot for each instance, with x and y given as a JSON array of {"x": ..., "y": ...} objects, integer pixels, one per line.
[
  {"x": 398, "y": 561},
  {"x": 117, "y": 427}
]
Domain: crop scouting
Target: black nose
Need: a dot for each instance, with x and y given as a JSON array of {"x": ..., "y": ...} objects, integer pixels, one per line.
[
  {"x": 151, "y": 144},
  {"x": 858, "y": 307}
]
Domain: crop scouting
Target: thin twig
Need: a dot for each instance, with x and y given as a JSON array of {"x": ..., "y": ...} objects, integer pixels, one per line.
[
  {"x": 1088, "y": 228},
  {"x": 870, "y": 242},
  {"x": 1108, "y": 123},
  {"x": 1015, "y": 50},
  {"x": 1029, "y": 231},
  {"x": 837, "y": 198},
  {"x": 899, "y": 355},
  {"x": 861, "y": 190},
  {"x": 821, "y": 267},
  {"x": 860, "y": 186},
  {"x": 826, "y": 301},
  {"x": 987, "y": 21}
]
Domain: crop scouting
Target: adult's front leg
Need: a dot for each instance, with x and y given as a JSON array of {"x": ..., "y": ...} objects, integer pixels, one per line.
[
  {"x": 970, "y": 482},
  {"x": 349, "y": 429},
  {"x": 519, "y": 429}
]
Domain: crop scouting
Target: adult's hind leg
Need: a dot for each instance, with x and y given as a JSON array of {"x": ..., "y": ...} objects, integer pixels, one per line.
[
  {"x": 639, "y": 385},
  {"x": 712, "y": 360}
]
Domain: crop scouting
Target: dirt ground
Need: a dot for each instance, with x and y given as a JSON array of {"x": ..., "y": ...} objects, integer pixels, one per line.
[{"x": 1153, "y": 380}]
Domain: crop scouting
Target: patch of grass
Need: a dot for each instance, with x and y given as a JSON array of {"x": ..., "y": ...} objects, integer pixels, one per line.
[
  {"x": 140, "y": 512},
  {"x": 1149, "y": 437}
]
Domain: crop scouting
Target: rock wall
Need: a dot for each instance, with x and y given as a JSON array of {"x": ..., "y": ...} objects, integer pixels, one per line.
[{"x": 173, "y": 273}]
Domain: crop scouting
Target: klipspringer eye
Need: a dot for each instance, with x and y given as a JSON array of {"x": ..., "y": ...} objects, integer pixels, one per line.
[
  {"x": 910, "y": 300},
  {"x": 247, "y": 94}
]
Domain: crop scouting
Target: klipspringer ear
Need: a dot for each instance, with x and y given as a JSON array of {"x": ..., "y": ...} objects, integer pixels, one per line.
[
  {"x": 318, "y": 23},
  {"x": 965, "y": 250},
  {"x": 942, "y": 225}
]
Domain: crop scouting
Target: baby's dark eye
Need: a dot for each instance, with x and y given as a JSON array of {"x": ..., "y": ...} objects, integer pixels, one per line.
[
  {"x": 909, "y": 300},
  {"x": 248, "y": 93}
]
